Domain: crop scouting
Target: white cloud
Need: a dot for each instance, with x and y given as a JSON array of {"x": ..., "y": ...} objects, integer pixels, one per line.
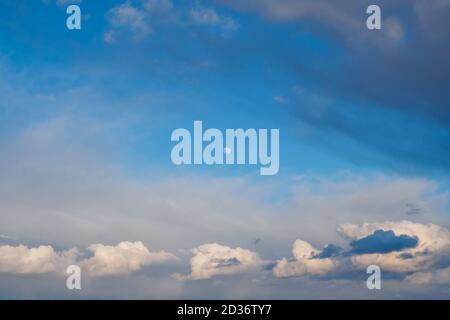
[
  {"x": 124, "y": 258},
  {"x": 432, "y": 240},
  {"x": 304, "y": 262},
  {"x": 346, "y": 197},
  {"x": 141, "y": 18},
  {"x": 213, "y": 259},
  {"x": 433, "y": 243},
  {"x": 128, "y": 16},
  {"x": 42, "y": 259},
  {"x": 209, "y": 16}
]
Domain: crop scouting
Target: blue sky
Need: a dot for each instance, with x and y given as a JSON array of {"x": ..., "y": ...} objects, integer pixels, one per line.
[{"x": 86, "y": 117}]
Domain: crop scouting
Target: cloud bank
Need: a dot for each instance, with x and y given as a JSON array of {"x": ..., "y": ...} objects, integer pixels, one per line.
[
  {"x": 124, "y": 258},
  {"x": 42, "y": 259},
  {"x": 399, "y": 247}
]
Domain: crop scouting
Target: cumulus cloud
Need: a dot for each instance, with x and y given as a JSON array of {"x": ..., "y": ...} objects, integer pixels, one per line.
[
  {"x": 213, "y": 259},
  {"x": 307, "y": 261},
  {"x": 23, "y": 260},
  {"x": 382, "y": 242},
  {"x": 431, "y": 241},
  {"x": 395, "y": 246},
  {"x": 124, "y": 258}
]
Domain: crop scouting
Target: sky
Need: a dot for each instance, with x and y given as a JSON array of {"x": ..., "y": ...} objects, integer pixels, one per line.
[{"x": 86, "y": 175}]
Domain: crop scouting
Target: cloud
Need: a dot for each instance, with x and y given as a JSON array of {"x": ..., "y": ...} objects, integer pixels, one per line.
[
  {"x": 432, "y": 241},
  {"x": 412, "y": 209},
  {"x": 128, "y": 16},
  {"x": 124, "y": 258},
  {"x": 62, "y": 3},
  {"x": 279, "y": 99},
  {"x": 328, "y": 12},
  {"x": 346, "y": 19},
  {"x": 330, "y": 250},
  {"x": 158, "y": 5},
  {"x": 67, "y": 2},
  {"x": 6, "y": 237},
  {"x": 42, "y": 259},
  {"x": 213, "y": 259},
  {"x": 108, "y": 37},
  {"x": 382, "y": 242},
  {"x": 307, "y": 261},
  {"x": 99, "y": 200},
  {"x": 142, "y": 18},
  {"x": 209, "y": 16},
  {"x": 371, "y": 79},
  {"x": 395, "y": 246},
  {"x": 441, "y": 276}
]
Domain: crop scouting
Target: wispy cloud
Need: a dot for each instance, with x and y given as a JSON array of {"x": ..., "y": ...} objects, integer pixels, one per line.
[{"x": 209, "y": 16}]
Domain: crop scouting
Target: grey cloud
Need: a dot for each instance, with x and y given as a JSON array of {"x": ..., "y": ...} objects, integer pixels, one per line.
[
  {"x": 382, "y": 242},
  {"x": 405, "y": 68}
]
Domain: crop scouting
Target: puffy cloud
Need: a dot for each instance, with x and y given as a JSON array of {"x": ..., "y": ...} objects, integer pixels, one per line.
[
  {"x": 121, "y": 259},
  {"x": 329, "y": 251},
  {"x": 23, "y": 260},
  {"x": 307, "y": 261},
  {"x": 432, "y": 240},
  {"x": 395, "y": 246},
  {"x": 124, "y": 258},
  {"x": 213, "y": 259},
  {"x": 382, "y": 242}
]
